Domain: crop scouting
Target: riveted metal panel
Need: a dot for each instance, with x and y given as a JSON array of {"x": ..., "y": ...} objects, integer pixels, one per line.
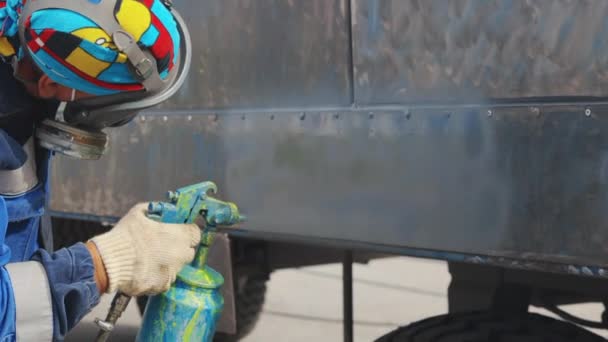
[
  {"x": 511, "y": 181},
  {"x": 266, "y": 53},
  {"x": 474, "y": 50}
]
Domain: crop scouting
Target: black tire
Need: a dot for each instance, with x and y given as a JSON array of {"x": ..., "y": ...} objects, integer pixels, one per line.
[
  {"x": 249, "y": 302},
  {"x": 491, "y": 327},
  {"x": 67, "y": 232}
]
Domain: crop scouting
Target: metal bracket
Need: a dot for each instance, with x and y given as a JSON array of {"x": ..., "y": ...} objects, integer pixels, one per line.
[{"x": 347, "y": 295}]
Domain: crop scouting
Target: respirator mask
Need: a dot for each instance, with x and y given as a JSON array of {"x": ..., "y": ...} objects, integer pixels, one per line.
[{"x": 77, "y": 129}]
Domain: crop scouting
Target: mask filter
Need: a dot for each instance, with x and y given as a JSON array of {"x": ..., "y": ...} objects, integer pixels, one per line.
[{"x": 71, "y": 141}]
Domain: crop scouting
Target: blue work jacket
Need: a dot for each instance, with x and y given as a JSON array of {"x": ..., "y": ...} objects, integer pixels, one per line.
[{"x": 69, "y": 272}]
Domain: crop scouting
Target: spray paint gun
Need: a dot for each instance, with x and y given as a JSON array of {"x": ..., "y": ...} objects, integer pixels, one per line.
[{"x": 193, "y": 304}]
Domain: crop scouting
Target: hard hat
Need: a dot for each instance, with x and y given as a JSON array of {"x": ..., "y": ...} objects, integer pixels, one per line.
[{"x": 131, "y": 54}]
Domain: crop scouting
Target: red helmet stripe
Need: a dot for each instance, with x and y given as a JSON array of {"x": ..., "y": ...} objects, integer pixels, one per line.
[{"x": 163, "y": 46}]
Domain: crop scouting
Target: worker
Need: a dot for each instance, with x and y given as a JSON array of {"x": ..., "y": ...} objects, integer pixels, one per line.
[{"x": 53, "y": 54}]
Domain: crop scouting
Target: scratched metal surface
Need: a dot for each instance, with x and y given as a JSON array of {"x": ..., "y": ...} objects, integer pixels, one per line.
[
  {"x": 519, "y": 182},
  {"x": 473, "y": 50},
  {"x": 518, "y": 187},
  {"x": 277, "y": 53}
]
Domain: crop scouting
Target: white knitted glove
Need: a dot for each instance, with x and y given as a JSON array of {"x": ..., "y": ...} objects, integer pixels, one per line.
[{"x": 142, "y": 256}]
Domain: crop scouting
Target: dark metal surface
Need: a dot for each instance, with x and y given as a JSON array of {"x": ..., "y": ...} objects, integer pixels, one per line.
[
  {"x": 509, "y": 183},
  {"x": 496, "y": 181},
  {"x": 272, "y": 53},
  {"x": 471, "y": 50},
  {"x": 484, "y": 288}
]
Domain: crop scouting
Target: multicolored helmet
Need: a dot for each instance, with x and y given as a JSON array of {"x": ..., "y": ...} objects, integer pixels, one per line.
[
  {"x": 131, "y": 54},
  {"x": 82, "y": 44}
]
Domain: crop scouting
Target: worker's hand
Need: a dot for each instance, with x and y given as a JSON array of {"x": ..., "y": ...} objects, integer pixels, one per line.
[{"x": 142, "y": 256}]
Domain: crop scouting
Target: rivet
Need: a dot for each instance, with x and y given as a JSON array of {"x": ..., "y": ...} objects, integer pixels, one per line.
[
  {"x": 490, "y": 112},
  {"x": 189, "y": 118},
  {"x": 587, "y": 271},
  {"x": 476, "y": 260},
  {"x": 573, "y": 270},
  {"x": 272, "y": 117},
  {"x": 588, "y": 112},
  {"x": 165, "y": 118},
  {"x": 302, "y": 116},
  {"x": 371, "y": 116},
  {"x": 535, "y": 110}
]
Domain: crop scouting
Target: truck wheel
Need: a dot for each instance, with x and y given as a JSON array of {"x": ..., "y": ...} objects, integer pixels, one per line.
[
  {"x": 249, "y": 302},
  {"x": 67, "y": 232},
  {"x": 490, "y": 327}
]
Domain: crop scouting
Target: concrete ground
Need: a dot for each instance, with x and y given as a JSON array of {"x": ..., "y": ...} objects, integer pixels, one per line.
[{"x": 306, "y": 305}]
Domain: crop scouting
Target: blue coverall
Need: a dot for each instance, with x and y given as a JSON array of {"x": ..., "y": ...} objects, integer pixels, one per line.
[{"x": 70, "y": 271}]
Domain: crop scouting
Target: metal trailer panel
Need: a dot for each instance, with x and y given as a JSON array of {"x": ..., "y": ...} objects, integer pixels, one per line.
[
  {"x": 509, "y": 182},
  {"x": 522, "y": 182},
  {"x": 408, "y": 51},
  {"x": 266, "y": 53}
]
